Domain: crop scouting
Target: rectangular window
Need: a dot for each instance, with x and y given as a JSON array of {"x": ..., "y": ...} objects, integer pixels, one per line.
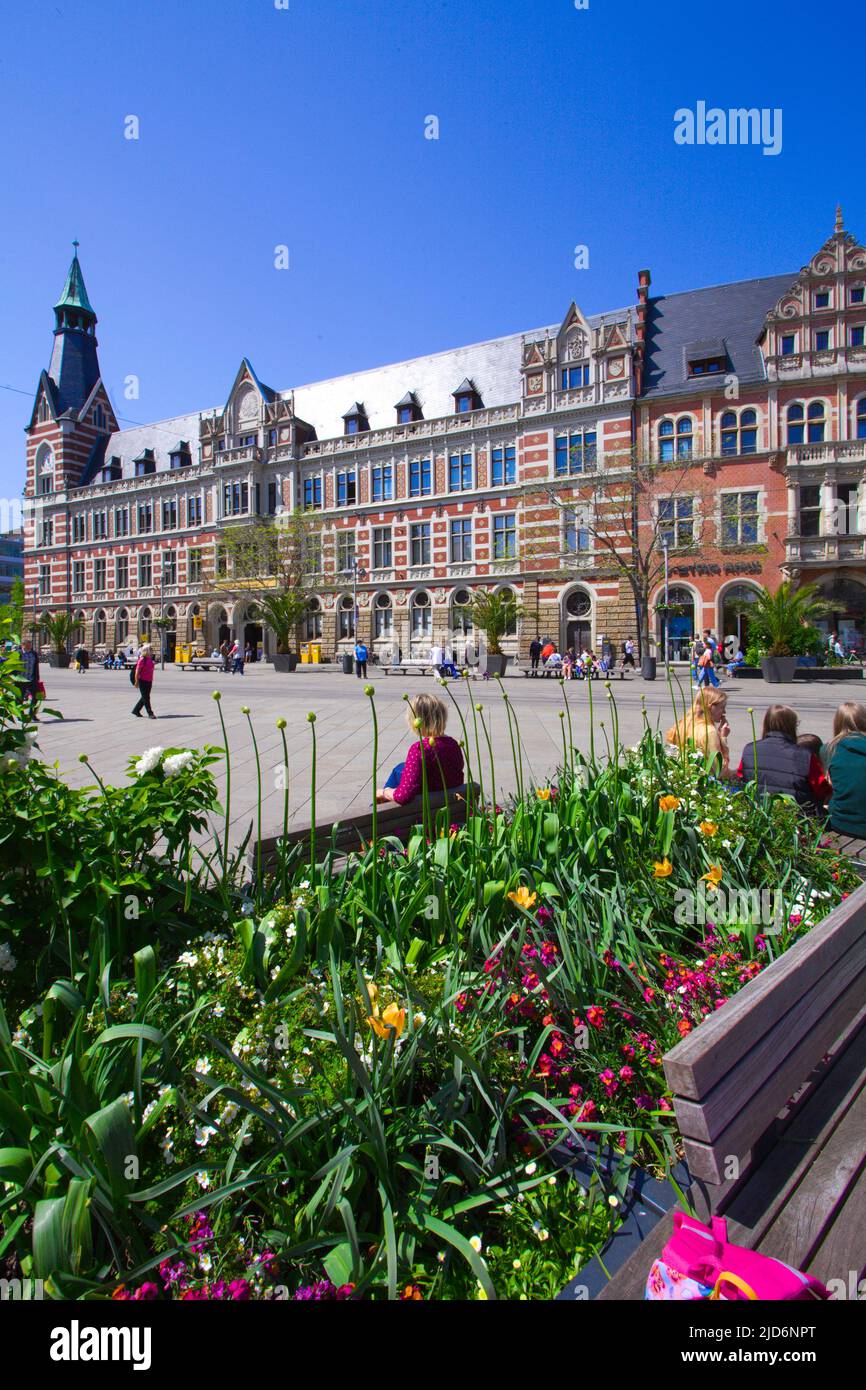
[
  {"x": 382, "y": 483},
  {"x": 572, "y": 377},
  {"x": 145, "y": 571},
  {"x": 575, "y": 535},
  {"x": 121, "y": 521},
  {"x": 858, "y": 294},
  {"x": 822, "y": 299},
  {"x": 575, "y": 452},
  {"x": 347, "y": 491},
  {"x": 419, "y": 543},
  {"x": 739, "y": 518},
  {"x": 194, "y": 566},
  {"x": 100, "y": 526},
  {"x": 169, "y": 567},
  {"x": 46, "y": 483},
  {"x": 857, "y": 335},
  {"x": 236, "y": 499},
  {"x": 311, "y": 553},
  {"x": 121, "y": 572},
  {"x": 44, "y": 581},
  {"x": 789, "y": 344},
  {"x": 383, "y": 618},
  {"x": 246, "y": 441},
  {"x": 145, "y": 518},
  {"x": 169, "y": 515},
  {"x": 847, "y": 495},
  {"x": 676, "y": 521},
  {"x": 272, "y": 439},
  {"x": 79, "y": 527},
  {"x": 78, "y": 576},
  {"x": 272, "y": 497},
  {"x": 420, "y": 478},
  {"x": 193, "y": 509},
  {"x": 345, "y": 551},
  {"x": 46, "y": 533},
  {"x": 461, "y": 540},
  {"x": 99, "y": 579},
  {"x": 312, "y": 493},
  {"x": 505, "y": 537},
  {"x": 460, "y": 473},
  {"x": 822, "y": 340},
  {"x": 382, "y": 552},
  {"x": 503, "y": 466}
]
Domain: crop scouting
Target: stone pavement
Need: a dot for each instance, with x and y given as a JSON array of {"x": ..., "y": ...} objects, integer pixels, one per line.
[{"x": 98, "y": 721}]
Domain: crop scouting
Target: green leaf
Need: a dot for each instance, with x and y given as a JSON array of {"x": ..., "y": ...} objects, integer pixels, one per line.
[{"x": 339, "y": 1264}]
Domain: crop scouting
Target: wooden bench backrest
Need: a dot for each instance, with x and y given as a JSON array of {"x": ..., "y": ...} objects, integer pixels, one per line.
[
  {"x": 733, "y": 1075},
  {"x": 394, "y": 820}
]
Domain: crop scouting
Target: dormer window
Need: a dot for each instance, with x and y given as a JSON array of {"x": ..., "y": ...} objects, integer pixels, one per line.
[
  {"x": 573, "y": 377},
  {"x": 822, "y": 299},
  {"x": 708, "y": 358},
  {"x": 355, "y": 420},
  {"x": 180, "y": 456},
  {"x": 113, "y": 470},
  {"x": 466, "y": 398},
  {"x": 145, "y": 463},
  {"x": 408, "y": 409},
  {"x": 788, "y": 344}
]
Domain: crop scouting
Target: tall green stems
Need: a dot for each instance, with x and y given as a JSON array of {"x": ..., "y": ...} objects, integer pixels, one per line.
[
  {"x": 217, "y": 695},
  {"x": 469, "y": 778},
  {"x": 281, "y": 725},
  {"x": 591, "y": 724},
  {"x": 474, "y": 709},
  {"x": 82, "y": 758},
  {"x": 369, "y": 692},
  {"x": 311, "y": 719},
  {"x": 245, "y": 710},
  {"x": 515, "y": 756},
  {"x": 570, "y": 732},
  {"x": 480, "y": 709}
]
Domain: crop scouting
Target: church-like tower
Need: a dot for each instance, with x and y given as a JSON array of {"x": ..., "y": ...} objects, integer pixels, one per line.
[{"x": 74, "y": 366}]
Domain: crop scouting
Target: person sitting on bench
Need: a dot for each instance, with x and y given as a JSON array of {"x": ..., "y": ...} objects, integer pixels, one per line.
[{"x": 443, "y": 757}]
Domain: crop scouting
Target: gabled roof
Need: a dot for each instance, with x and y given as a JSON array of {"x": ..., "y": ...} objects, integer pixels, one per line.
[
  {"x": 409, "y": 399},
  {"x": 357, "y": 409},
  {"x": 466, "y": 388},
  {"x": 181, "y": 447},
  {"x": 47, "y": 386},
  {"x": 732, "y": 315}
]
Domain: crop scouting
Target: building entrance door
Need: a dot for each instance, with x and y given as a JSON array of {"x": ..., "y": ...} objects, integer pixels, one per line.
[{"x": 579, "y": 635}]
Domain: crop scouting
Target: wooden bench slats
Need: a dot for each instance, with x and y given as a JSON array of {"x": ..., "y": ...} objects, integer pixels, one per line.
[
  {"x": 697, "y": 1063},
  {"x": 630, "y": 1281},
  {"x": 708, "y": 1160},
  {"x": 843, "y": 1250},
  {"x": 712, "y": 1116}
]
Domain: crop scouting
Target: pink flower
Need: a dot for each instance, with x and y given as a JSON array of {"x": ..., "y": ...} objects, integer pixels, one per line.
[
  {"x": 595, "y": 1016},
  {"x": 608, "y": 1081},
  {"x": 626, "y": 1075}
]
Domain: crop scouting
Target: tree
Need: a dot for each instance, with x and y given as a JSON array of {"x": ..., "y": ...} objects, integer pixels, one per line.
[
  {"x": 273, "y": 562},
  {"x": 783, "y": 623},
  {"x": 58, "y": 628},
  {"x": 14, "y": 609},
  {"x": 495, "y": 615}
]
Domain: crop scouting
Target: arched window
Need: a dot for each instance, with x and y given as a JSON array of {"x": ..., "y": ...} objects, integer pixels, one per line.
[
  {"x": 347, "y": 617},
  {"x": 313, "y": 620},
  {"x": 796, "y": 428},
  {"x": 806, "y": 426},
  {"x": 684, "y": 437},
  {"x": 383, "y": 616},
  {"x": 145, "y": 619},
  {"x": 122, "y": 625},
  {"x": 816, "y": 422},
  {"x": 421, "y": 615},
  {"x": 680, "y": 615},
  {"x": 675, "y": 440},
  {"x": 44, "y": 471},
  {"x": 861, "y": 418},
  {"x": 461, "y": 617},
  {"x": 78, "y": 630},
  {"x": 739, "y": 434},
  {"x": 735, "y": 617},
  {"x": 99, "y": 629}
]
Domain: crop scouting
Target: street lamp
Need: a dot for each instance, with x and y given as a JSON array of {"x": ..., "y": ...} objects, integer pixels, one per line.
[
  {"x": 355, "y": 570},
  {"x": 666, "y": 541}
]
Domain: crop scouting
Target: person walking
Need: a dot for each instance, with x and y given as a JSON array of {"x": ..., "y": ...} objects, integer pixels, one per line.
[
  {"x": 248, "y": 654},
  {"x": 225, "y": 653},
  {"x": 628, "y": 653},
  {"x": 237, "y": 658},
  {"x": 82, "y": 657},
  {"x": 142, "y": 678},
  {"x": 845, "y": 760},
  {"x": 361, "y": 660},
  {"x": 534, "y": 656},
  {"x": 29, "y": 678}
]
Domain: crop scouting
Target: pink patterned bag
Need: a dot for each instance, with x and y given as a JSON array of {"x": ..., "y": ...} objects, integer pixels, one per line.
[{"x": 699, "y": 1262}]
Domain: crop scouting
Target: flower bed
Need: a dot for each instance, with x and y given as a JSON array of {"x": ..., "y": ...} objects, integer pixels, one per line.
[{"x": 357, "y": 1081}]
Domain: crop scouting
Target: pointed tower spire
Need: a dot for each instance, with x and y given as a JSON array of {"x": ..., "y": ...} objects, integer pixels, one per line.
[
  {"x": 840, "y": 225},
  {"x": 74, "y": 364}
]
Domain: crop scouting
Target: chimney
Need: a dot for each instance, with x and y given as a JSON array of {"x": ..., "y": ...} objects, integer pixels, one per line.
[{"x": 643, "y": 284}]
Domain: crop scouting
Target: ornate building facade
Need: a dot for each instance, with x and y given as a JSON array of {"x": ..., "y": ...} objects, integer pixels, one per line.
[{"x": 425, "y": 479}]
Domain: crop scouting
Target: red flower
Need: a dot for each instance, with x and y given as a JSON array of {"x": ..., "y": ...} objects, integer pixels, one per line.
[{"x": 595, "y": 1016}]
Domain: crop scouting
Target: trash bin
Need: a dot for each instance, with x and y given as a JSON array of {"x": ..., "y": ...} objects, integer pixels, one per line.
[
  {"x": 348, "y": 663},
  {"x": 305, "y": 653},
  {"x": 315, "y": 653}
]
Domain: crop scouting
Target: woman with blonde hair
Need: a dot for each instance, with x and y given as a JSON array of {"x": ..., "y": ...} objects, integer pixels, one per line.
[
  {"x": 705, "y": 728},
  {"x": 845, "y": 760},
  {"x": 426, "y": 716}
]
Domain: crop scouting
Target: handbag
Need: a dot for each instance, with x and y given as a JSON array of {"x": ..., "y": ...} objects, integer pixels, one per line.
[{"x": 700, "y": 1262}]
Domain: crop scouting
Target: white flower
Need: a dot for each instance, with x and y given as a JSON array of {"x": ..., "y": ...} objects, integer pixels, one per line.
[
  {"x": 205, "y": 1264},
  {"x": 202, "y": 1179},
  {"x": 187, "y": 958},
  {"x": 167, "y": 1146},
  {"x": 7, "y": 960},
  {"x": 203, "y": 1134},
  {"x": 475, "y": 1242},
  {"x": 530, "y": 1169},
  {"x": 148, "y": 761},
  {"x": 178, "y": 762},
  {"x": 203, "y": 1066}
]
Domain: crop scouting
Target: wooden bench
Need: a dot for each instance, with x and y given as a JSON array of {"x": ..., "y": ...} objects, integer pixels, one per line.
[
  {"x": 355, "y": 832},
  {"x": 770, "y": 1099},
  {"x": 404, "y": 667},
  {"x": 201, "y": 663}
]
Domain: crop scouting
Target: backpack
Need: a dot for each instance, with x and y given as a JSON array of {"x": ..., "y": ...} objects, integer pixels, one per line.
[{"x": 699, "y": 1262}]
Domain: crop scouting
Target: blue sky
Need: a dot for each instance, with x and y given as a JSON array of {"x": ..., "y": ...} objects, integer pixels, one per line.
[{"x": 305, "y": 127}]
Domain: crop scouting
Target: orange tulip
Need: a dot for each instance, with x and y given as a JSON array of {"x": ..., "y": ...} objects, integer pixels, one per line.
[
  {"x": 393, "y": 1020},
  {"x": 713, "y": 876},
  {"x": 663, "y": 869},
  {"x": 523, "y": 898},
  {"x": 708, "y": 827},
  {"x": 668, "y": 803},
  {"x": 543, "y": 793}
]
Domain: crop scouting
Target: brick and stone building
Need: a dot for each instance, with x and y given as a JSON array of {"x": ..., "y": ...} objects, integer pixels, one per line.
[{"x": 424, "y": 479}]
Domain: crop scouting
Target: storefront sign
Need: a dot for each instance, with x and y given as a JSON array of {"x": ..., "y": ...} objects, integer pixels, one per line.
[{"x": 733, "y": 567}]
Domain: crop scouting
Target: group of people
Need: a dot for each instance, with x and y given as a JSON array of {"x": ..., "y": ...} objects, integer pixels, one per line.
[
  {"x": 545, "y": 659},
  {"x": 708, "y": 660},
  {"x": 826, "y": 779},
  {"x": 233, "y": 655}
]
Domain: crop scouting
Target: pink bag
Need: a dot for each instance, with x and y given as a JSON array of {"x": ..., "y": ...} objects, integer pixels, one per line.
[{"x": 699, "y": 1262}]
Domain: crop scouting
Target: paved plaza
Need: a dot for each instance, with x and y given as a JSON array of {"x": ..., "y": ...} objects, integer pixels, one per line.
[{"x": 98, "y": 721}]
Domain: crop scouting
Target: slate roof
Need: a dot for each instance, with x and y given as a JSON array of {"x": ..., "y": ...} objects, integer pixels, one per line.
[{"x": 733, "y": 314}]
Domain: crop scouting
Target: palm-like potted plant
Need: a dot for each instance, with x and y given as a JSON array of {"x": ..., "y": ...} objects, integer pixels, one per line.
[
  {"x": 782, "y": 627},
  {"x": 283, "y": 612},
  {"x": 58, "y": 628},
  {"x": 494, "y": 615}
]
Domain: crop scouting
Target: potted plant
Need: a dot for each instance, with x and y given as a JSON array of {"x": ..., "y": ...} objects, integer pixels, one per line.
[
  {"x": 494, "y": 615},
  {"x": 58, "y": 628},
  {"x": 782, "y": 628},
  {"x": 282, "y": 612}
]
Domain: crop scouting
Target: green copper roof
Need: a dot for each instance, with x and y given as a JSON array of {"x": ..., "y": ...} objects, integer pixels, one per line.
[{"x": 74, "y": 293}]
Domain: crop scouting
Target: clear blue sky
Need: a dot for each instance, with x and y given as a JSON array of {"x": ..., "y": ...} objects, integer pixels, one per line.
[{"x": 261, "y": 126}]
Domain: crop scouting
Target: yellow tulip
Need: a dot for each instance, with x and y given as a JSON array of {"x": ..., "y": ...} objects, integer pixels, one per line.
[
  {"x": 543, "y": 793},
  {"x": 523, "y": 898},
  {"x": 668, "y": 803},
  {"x": 713, "y": 876},
  {"x": 663, "y": 869},
  {"x": 708, "y": 827},
  {"x": 393, "y": 1020}
]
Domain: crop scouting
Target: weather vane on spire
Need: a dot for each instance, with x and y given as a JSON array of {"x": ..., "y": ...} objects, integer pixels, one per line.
[{"x": 76, "y": 244}]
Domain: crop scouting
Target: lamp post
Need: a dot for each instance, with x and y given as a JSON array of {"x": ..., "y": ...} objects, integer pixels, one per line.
[
  {"x": 666, "y": 541},
  {"x": 355, "y": 570}
]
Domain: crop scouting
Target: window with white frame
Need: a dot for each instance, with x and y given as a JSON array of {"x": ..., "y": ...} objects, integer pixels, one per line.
[
  {"x": 675, "y": 438},
  {"x": 575, "y": 452},
  {"x": 382, "y": 482},
  {"x": 419, "y": 543},
  {"x": 121, "y": 572},
  {"x": 313, "y": 620},
  {"x": 460, "y": 473},
  {"x": 121, "y": 521},
  {"x": 461, "y": 540},
  {"x": 44, "y": 581},
  {"x": 78, "y": 576},
  {"x": 347, "y": 487},
  {"x": 46, "y": 532},
  {"x": 169, "y": 567},
  {"x": 503, "y": 466},
  {"x": 79, "y": 527},
  {"x": 99, "y": 580},
  {"x": 346, "y": 614},
  {"x": 383, "y": 616},
  {"x": 739, "y": 432},
  {"x": 345, "y": 551},
  {"x": 420, "y": 478},
  {"x": 382, "y": 549},
  {"x": 739, "y": 518},
  {"x": 145, "y": 571},
  {"x": 677, "y": 521},
  {"x": 421, "y": 615},
  {"x": 461, "y": 612},
  {"x": 505, "y": 536},
  {"x": 806, "y": 424},
  {"x": 575, "y": 532}
]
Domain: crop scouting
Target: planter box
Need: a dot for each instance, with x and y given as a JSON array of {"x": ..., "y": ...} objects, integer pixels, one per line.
[
  {"x": 779, "y": 669},
  {"x": 59, "y": 660},
  {"x": 491, "y": 664},
  {"x": 285, "y": 661},
  {"x": 828, "y": 673}
]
